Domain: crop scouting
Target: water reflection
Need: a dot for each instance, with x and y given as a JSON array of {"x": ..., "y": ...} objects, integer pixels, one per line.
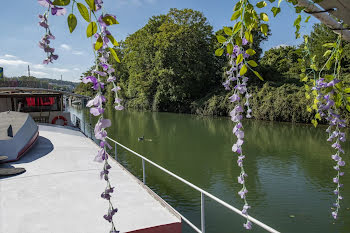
[{"x": 289, "y": 169}]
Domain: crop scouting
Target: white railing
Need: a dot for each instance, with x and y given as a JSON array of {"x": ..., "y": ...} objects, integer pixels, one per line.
[
  {"x": 82, "y": 127},
  {"x": 203, "y": 193}
]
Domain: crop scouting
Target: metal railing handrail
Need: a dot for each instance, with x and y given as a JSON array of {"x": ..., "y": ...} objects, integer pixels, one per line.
[{"x": 203, "y": 192}]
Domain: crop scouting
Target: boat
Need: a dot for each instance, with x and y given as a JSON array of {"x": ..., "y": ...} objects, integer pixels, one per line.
[{"x": 18, "y": 133}]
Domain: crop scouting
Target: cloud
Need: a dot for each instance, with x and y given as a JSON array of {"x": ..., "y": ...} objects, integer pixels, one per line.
[
  {"x": 13, "y": 62},
  {"x": 76, "y": 69},
  {"x": 9, "y": 56},
  {"x": 59, "y": 70},
  {"x": 75, "y": 52},
  {"x": 66, "y": 47},
  {"x": 280, "y": 45},
  {"x": 39, "y": 73},
  {"x": 42, "y": 67}
]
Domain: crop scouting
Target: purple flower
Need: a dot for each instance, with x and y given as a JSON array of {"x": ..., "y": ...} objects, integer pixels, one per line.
[
  {"x": 58, "y": 11},
  {"x": 111, "y": 79},
  {"x": 248, "y": 225},
  {"x": 234, "y": 98},
  {"x": 115, "y": 89},
  {"x": 245, "y": 208},
  {"x": 44, "y": 25},
  {"x": 335, "y": 179},
  {"x": 100, "y": 72},
  {"x": 244, "y": 41},
  {"x": 119, "y": 107},
  {"x": 96, "y": 111},
  {"x": 334, "y": 214},
  {"x": 117, "y": 100},
  {"x": 341, "y": 163},
  {"x": 45, "y": 3},
  {"x": 243, "y": 192}
]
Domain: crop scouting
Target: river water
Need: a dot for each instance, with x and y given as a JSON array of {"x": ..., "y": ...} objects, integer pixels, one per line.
[{"x": 289, "y": 167}]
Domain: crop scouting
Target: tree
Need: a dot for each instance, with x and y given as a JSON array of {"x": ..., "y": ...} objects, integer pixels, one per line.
[{"x": 170, "y": 61}]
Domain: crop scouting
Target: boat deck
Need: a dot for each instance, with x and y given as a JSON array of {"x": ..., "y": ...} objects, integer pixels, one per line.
[{"x": 60, "y": 192}]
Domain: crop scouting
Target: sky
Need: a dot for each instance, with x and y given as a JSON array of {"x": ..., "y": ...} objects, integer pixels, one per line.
[{"x": 20, "y": 32}]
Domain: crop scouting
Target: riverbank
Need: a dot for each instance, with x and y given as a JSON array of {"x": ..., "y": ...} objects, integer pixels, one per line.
[{"x": 285, "y": 103}]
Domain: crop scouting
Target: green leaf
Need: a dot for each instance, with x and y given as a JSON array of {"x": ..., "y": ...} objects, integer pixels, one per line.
[
  {"x": 348, "y": 108},
  {"x": 221, "y": 39},
  {"x": 307, "y": 87},
  {"x": 219, "y": 52},
  {"x": 114, "y": 54},
  {"x": 347, "y": 90},
  {"x": 243, "y": 70},
  {"x": 297, "y": 21},
  {"x": 252, "y": 63},
  {"x": 308, "y": 109},
  {"x": 237, "y": 6},
  {"x": 229, "y": 48},
  {"x": 329, "y": 45},
  {"x": 248, "y": 36},
  {"x": 237, "y": 27},
  {"x": 113, "y": 41},
  {"x": 238, "y": 41},
  {"x": 239, "y": 59},
  {"x": 91, "y": 4},
  {"x": 264, "y": 17},
  {"x": 307, "y": 19},
  {"x": 228, "y": 31},
  {"x": 304, "y": 79},
  {"x": 84, "y": 12},
  {"x": 329, "y": 77},
  {"x": 258, "y": 75},
  {"x": 99, "y": 43},
  {"x": 261, "y": 4},
  {"x": 313, "y": 66},
  {"x": 91, "y": 29},
  {"x": 264, "y": 29},
  {"x": 279, "y": 2},
  {"x": 348, "y": 99},
  {"x": 314, "y": 122},
  {"x": 235, "y": 15},
  {"x": 275, "y": 11},
  {"x": 318, "y": 116},
  {"x": 307, "y": 96},
  {"x": 110, "y": 20},
  {"x": 251, "y": 52},
  {"x": 61, "y": 2},
  {"x": 272, "y": 1},
  {"x": 72, "y": 22}
]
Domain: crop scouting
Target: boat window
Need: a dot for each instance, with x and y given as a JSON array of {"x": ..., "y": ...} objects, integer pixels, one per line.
[{"x": 38, "y": 103}]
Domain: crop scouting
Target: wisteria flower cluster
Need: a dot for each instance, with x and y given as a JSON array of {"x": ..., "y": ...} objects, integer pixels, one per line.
[
  {"x": 103, "y": 72},
  {"x": 45, "y": 41},
  {"x": 327, "y": 109},
  {"x": 241, "y": 99}
]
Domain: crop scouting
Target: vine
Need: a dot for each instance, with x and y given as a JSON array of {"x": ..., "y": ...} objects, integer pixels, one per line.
[{"x": 101, "y": 37}]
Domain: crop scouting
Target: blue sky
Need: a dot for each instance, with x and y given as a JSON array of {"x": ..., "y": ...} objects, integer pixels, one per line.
[{"x": 20, "y": 32}]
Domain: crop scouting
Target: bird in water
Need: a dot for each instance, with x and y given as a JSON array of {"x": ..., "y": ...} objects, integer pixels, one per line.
[{"x": 143, "y": 139}]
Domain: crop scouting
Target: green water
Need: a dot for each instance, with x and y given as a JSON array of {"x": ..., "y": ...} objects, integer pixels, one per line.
[{"x": 289, "y": 167}]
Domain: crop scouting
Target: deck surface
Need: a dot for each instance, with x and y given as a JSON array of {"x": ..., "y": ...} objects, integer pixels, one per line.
[{"x": 60, "y": 191}]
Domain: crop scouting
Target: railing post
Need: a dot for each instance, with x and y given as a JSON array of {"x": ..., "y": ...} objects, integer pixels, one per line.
[
  {"x": 115, "y": 151},
  {"x": 202, "y": 213},
  {"x": 84, "y": 128},
  {"x": 90, "y": 125},
  {"x": 143, "y": 171}
]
